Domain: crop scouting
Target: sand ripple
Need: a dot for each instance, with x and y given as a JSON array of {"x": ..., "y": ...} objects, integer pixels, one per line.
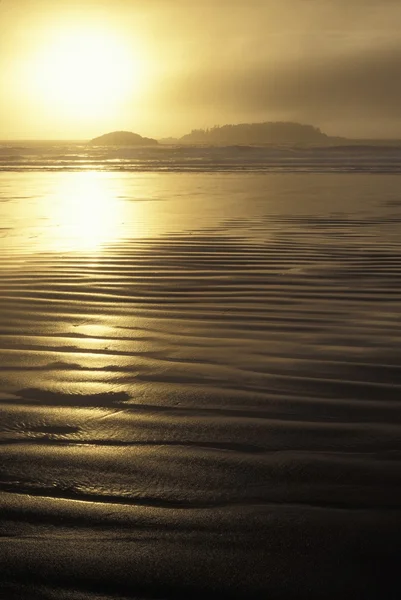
[{"x": 239, "y": 382}]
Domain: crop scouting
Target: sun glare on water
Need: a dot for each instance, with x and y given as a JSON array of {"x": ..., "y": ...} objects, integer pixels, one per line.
[{"x": 86, "y": 74}]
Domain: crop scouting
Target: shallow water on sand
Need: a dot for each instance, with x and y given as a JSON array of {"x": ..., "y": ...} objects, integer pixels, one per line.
[{"x": 200, "y": 383}]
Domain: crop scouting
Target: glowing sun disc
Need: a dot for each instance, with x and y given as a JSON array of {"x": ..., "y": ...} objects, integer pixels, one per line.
[{"x": 86, "y": 73}]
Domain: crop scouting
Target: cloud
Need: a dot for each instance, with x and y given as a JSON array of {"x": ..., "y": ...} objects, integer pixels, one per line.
[{"x": 365, "y": 82}]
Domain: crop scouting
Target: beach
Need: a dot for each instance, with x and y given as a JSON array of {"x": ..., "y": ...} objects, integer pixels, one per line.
[{"x": 200, "y": 377}]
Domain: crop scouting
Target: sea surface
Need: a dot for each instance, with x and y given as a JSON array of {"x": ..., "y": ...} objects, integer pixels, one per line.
[
  {"x": 200, "y": 378},
  {"x": 360, "y": 157}
]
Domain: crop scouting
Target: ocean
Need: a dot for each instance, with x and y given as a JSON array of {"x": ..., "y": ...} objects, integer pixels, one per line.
[
  {"x": 200, "y": 372},
  {"x": 362, "y": 157}
]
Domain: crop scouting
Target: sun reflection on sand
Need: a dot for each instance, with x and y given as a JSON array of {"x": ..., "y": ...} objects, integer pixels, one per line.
[{"x": 87, "y": 213}]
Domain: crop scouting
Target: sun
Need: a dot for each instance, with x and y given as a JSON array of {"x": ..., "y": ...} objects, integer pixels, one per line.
[{"x": 86, "y": 73}]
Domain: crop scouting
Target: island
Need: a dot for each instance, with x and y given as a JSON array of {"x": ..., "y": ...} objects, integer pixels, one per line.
[
  {"x": 242, "y": 134},
  {"x": 123, "y": 138},
  {"x": 257, "y": 133}
]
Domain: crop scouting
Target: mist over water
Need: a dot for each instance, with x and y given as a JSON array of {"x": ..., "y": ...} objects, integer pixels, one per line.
[{"x": 200, "y": 375}]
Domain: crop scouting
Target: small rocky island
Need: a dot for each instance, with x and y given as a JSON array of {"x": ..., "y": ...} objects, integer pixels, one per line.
[
  {"x": 123, "y": 138},
  {"x": 257, "y": 133}
]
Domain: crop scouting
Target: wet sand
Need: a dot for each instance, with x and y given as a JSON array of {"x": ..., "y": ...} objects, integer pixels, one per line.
[{"x": 200, "y": 401}]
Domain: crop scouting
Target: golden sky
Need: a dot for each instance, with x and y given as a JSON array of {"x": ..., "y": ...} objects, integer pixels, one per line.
[{"x": 74, "y": 69}]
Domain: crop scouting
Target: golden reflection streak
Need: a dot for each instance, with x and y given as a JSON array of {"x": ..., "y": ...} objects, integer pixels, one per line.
[
  {"x": 87, "y": 213},
  {"x": 82, "y": 212}
]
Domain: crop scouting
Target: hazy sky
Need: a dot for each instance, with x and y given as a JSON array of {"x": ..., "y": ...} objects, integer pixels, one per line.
[{"x": 75, "y": 69}]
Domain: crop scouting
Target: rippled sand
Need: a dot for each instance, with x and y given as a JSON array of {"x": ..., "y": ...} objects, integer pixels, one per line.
[{"x": 200, "y": 386}]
